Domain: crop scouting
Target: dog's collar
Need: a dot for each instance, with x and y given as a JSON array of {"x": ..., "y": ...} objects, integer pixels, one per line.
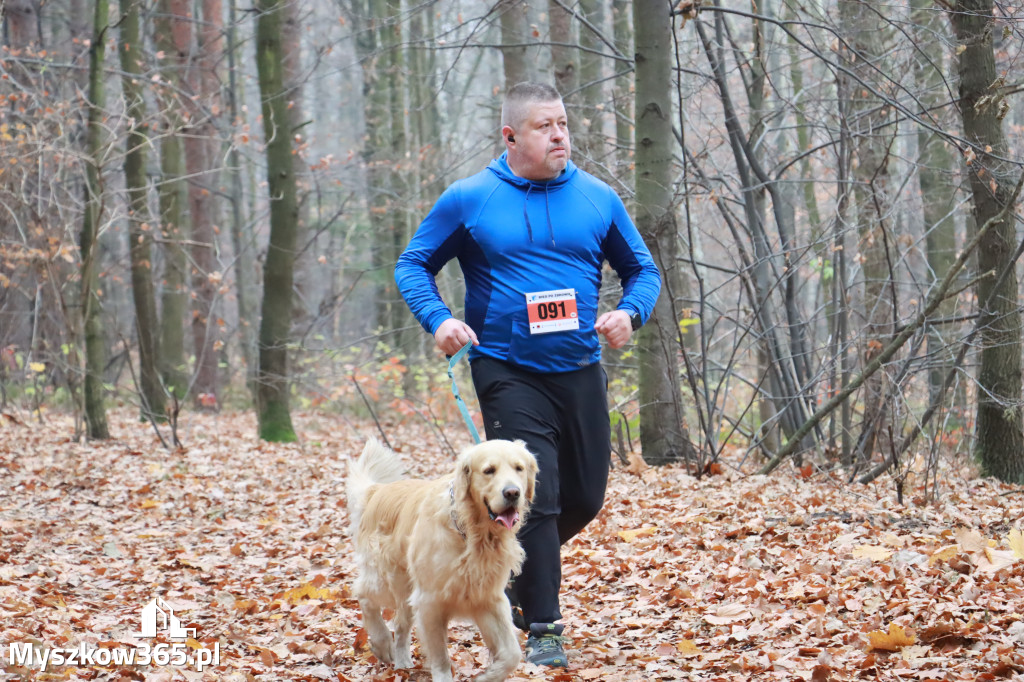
[{"x": 451, "y": 510}]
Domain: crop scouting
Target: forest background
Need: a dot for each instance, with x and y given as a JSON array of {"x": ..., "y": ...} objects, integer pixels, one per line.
[{"x": 201, "y": 204}]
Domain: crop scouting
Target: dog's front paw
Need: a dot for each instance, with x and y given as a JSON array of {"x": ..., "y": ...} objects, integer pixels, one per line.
[
  {"x": 384, "y": 651},
  {"x": 403, "y": 659},
  {"x": 492, "y": 675},
  {"x": 441, "y": 676},
  {"x": 499, "y": 669}
]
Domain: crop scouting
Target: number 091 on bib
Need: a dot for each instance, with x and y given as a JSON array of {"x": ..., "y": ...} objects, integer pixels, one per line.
[{"x": 552, "y": 311}]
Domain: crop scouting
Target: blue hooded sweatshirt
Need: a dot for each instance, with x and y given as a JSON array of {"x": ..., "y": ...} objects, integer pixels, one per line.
[{"x": 514, "y": 237}]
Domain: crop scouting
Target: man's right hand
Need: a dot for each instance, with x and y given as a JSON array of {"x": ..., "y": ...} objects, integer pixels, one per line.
[{"x": 453, "y": 334}]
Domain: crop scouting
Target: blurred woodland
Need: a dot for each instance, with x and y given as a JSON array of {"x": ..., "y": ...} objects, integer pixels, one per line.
[{"x": 201, "y": 205}]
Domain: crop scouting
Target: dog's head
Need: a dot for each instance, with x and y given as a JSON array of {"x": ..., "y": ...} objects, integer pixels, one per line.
[{"x": 496, "y": 478}]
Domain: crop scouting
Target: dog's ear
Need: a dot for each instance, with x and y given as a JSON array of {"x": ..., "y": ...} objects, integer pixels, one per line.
[
  {"x": 531, "y": 469},
  {"x": 531, "y": 476},
  {"x": 463, "y": 474}
]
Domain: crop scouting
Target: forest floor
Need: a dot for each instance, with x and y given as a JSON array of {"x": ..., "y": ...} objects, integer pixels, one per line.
[{"x": 796, "y": 576}]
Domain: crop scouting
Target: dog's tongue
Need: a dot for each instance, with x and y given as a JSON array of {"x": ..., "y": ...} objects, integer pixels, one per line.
[{"x": 508, "y": 518}]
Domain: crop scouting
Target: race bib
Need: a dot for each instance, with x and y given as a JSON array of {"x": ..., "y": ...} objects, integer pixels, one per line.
[{"x": 552, "y": 311}]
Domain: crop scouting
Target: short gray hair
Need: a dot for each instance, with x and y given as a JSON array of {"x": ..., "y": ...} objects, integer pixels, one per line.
[{"x": 521, "y": 95}]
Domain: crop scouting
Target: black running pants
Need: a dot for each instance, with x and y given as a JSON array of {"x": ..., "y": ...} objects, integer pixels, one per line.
[{"x": 563, "y": 419}]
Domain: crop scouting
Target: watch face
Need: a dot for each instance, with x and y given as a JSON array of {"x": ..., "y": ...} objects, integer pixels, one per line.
[{"x": 635, "y": 321}]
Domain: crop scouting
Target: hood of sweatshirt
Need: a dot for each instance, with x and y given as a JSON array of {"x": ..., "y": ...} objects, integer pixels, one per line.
[{"x": 500, "y": 168}]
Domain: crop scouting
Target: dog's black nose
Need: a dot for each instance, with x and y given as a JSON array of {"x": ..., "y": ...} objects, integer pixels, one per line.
[{"x": 511, "y": 493}]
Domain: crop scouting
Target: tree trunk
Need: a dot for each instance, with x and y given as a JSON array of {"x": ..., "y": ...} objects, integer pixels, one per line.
[
  {"x": 275, "y": 420},
  {"x": 22, "y": 22},
  {"x": 373, "y": 49},
  {"x": 1000, "y": 438},
  {"x": 425, "y": 118},
  {"x": 140, "y": 236},
  {"x": 841, "y": 371},
  {"x": 168, "y": 23},
  {"x": 872, "y": 203},
  {"x": 663, "y": 434},
  {"x": 95, "y": 342},
  {"x": 306, "y": 282},
  {"x": 588, "y": 145},
  {"x": 242, "y": 237},
  {"x": 563, "y": 57},
  {"x": 425, "y": 140},
  {"x": 514, "y": 31},
  {"x": 769, "y": 432},
  {"x": 622, "y": 30},
  {"x": 174, "y": 293},
  {"x": 201, "y": 151},
  {"x": 938, "y": 191},
  {"x": 400, "y": 321}
]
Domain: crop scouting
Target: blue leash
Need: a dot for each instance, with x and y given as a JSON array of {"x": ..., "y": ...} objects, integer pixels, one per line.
[{"x": 455, "y": 391}]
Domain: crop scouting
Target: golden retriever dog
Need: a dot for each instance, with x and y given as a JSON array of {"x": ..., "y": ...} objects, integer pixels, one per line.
[{"x": 439, "y": 550}]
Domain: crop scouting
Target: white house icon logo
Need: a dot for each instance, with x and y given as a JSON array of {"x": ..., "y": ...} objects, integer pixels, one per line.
[{"x": 157, "y": 615}]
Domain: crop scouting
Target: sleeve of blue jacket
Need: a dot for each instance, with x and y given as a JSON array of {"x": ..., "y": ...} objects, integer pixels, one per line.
[
  {"x": 437, "y": 240},
  {"x": 629, "y": 256}
]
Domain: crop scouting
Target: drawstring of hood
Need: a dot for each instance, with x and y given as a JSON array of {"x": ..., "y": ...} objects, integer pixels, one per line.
[
  {"x": 526, "y": 213},
  {"x": 501, "y": 168},
  {"x": 547, "y": 208}
]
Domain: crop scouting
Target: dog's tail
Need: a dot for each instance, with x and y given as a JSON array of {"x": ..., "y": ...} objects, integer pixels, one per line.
[{"x": 377, "y": 464}]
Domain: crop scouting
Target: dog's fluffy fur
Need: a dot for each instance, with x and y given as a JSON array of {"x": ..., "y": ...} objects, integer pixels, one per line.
[{"x": 438, "y": 550}]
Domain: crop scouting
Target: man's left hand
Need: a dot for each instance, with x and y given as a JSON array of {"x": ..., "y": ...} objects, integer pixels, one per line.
[{"x": 616, "y": 327}]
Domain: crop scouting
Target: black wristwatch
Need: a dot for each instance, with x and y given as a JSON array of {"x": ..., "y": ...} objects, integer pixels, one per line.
[{"x": 635, "y": 321}]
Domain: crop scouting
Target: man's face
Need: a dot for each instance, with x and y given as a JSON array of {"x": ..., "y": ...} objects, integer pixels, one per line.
[{"x": 541, "y": 147}]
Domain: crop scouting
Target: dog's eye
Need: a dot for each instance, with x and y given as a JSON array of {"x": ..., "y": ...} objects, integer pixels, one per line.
[
  {"x": 520, "y": 467},
  {"x": 489, "y": 471}
]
